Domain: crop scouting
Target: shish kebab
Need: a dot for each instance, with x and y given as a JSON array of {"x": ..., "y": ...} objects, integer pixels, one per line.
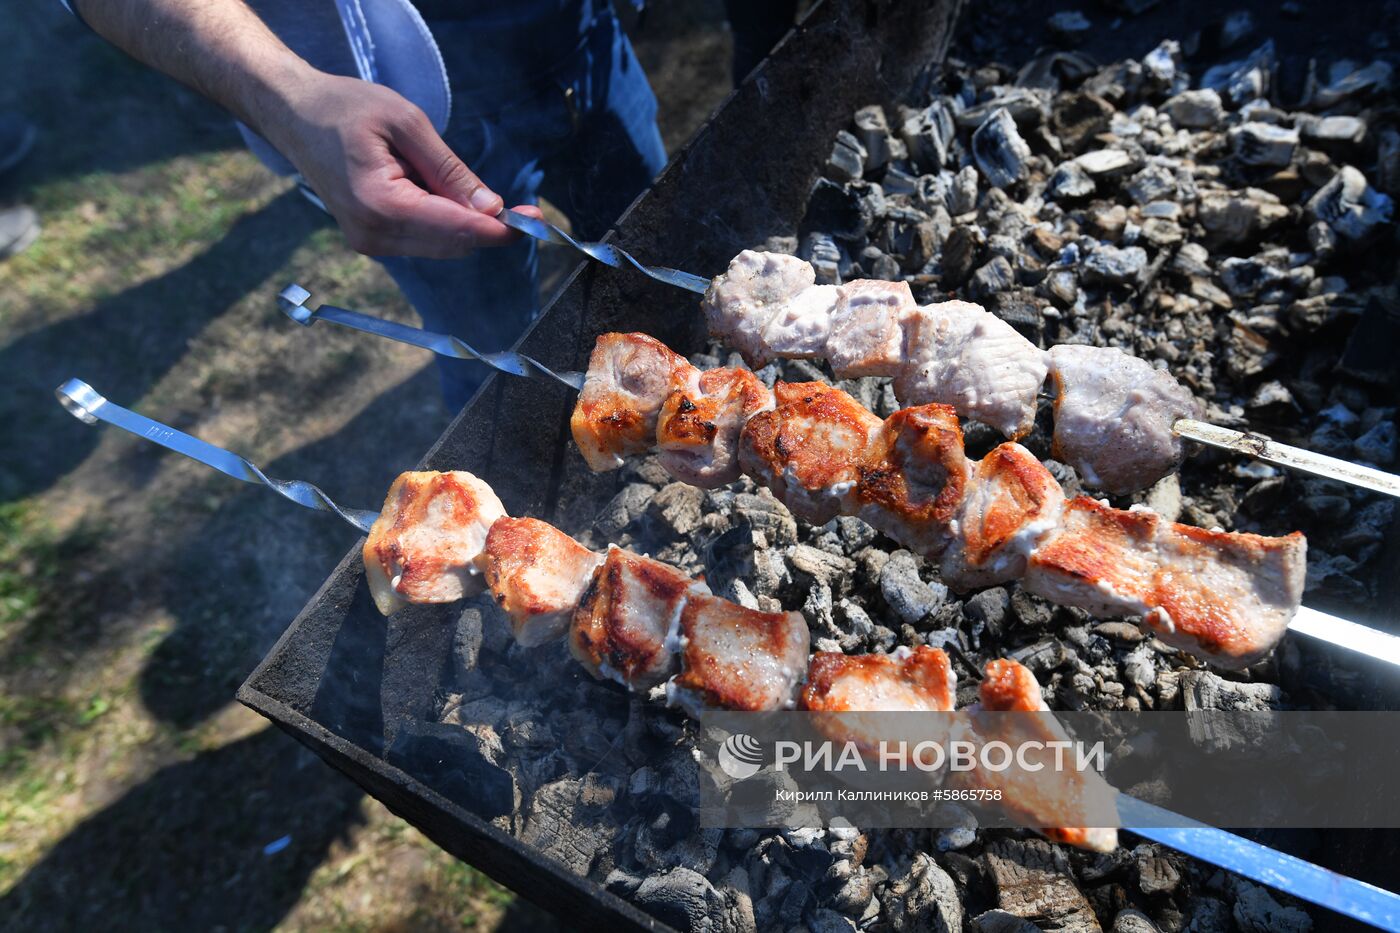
[
  {"x": 1119, "y": 421},
  {"x": 737, "y": 658},
  {"x": 1227, "y": 597}
]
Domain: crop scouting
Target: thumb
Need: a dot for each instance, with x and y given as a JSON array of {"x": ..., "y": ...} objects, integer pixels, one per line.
[{"x": 445, "y": 175}]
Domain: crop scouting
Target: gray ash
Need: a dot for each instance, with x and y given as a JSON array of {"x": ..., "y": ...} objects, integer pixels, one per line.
[{"x": 1181, "y": 216}]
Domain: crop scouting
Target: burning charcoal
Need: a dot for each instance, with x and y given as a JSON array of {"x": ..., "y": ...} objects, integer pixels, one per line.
[
  {"x": 1062, "y": 287},
  {"x": 1000, "y": 151},
  {"x": 1120, "y": 82},
  {"x": 1263, "y": 143},
  {"x": 962, "y": 193},
  {"x": 1256, "y": 911},
  {"x": 1244, "y": 278},
  {"x": 960, "y": 254},
  {"x": 1133, "y": 921},
  {"x": 1161, "y": 233},
  {"x": 1113, "y": 266},
  {"x": 959, "y": 829},
  {"x": 1026, "y": 107},
  {"x": 1388, "y": 162},
  {"x": 1239, "y": 82},
  {"x": 1342, "y": 130},
  {"x": 989, "y": 608},
  {"x": 1153, "y": 183},
  {"x": 1379, "y": 445},
  {"x": 465, "y": 764},
  {"x": 908, "y": 596},
  {"x": 1077, "y": 118},
  {"x": 924, "y": 899},
  {"x": 928, "y": 134},
  {"x": 1204, "y": 690},
  {"x": 1347, "y": 83},
  {"x": 1156, "y": 873},
  {"x": 1001, "y": 921},
  {"x": 1195, "y": 109},
  {"x": 683, "y": 899},
  {"x": 827, "y": 258},
  {"x": 1107, "y": 221},
  {"x": 899, "y": 183},
  {"x": 1349, "y": 205},
  {"x": 873, "y": 131},
  {"x": 995, "y": 276},
  {"x": 1233, "y": 217},
  {"x": 675, "y": 511},
  {"x": 1070, "y": 182},
  {"x": 823, "y": 568},
  {"x": 826, "y": 920},
  {"x": 1033, "y": 880},
  {"x": 847, "y": 160},
  {"x": 1162, "y": 63},
  {"x": 1069, "y": 27},
  {"x": 626, "y": 507},
  {"x": 1041, "y": 657}
]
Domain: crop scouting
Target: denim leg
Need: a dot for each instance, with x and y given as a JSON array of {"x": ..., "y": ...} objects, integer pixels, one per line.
[{"x": 616, "y": 149}]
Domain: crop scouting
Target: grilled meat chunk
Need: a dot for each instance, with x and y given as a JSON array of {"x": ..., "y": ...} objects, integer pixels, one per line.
[
  {"x": 740, "y": 303},
  {"x": 698, "y": 431},
  {"x": 538, "y": 574},
  {"x": 1114, "y": 415},
  {"x": 917, "y": 680},
  {"x": 914, "y": 476},
  {"x": 1057, "y": 802},
  {"x": 799, "y": 329},
  {"x": 960, "y": 354},
  {"x": 738, "y": 659},
  {"x": 628, "y": 614},
  {"x": 1226, "y": 597},
  {"x": 808, "y": 449},
  {"x": 424, "y": 545},
  {"x": 629, "y": 378},
  {"x": 867, "y": 336},
  {"x": 1011, "y": 502}
]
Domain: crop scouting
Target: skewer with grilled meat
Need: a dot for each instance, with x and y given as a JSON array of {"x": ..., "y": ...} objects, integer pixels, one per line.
[
  {"x": 630, "y": 378},
  {"x": 824, "y": 454},
  {"x": 1114, "y": 415}
]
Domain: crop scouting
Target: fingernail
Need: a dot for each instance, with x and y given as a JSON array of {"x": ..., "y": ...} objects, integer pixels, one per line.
[{"x": 485, "y": 201}]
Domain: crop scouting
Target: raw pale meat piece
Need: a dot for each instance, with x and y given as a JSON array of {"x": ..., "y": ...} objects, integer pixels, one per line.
[{"x": 741, "y": 302}]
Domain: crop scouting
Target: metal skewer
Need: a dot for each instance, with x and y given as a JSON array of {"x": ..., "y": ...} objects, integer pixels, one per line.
[
  {"x": 293, "y": 298},
  {"x": 1242, "y": 856}
]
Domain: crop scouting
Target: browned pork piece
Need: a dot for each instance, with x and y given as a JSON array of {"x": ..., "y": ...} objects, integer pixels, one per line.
[
  {"x": 697, "y": 432},
  {"x": 1057, "y": 803},
  {"x": 629, "y": 378},
  {"x": 914, "y": 476},
  {"x": 737, "y": 659},
  {"x": 740, "y": 303},
  {"x": 1114, "y": 415},
  {"x": 960, "y": 354},
  {"x": 1012, "y": 501},
  {"x": 624, "y": 628},
  {"x": 1227, "y": 597},
  {"x": 808, "y": 449},
  {"x": 538, "y": 574},
  {"x": 423, "y": 546}
]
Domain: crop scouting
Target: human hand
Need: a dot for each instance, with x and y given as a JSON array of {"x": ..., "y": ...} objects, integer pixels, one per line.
[{"x": 381, "y": 169}]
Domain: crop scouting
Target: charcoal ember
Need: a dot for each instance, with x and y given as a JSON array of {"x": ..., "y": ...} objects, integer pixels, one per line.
[
  {"x": 847, "y": 160},
  {"x": 1203, "y": 690},
  {"x": 1120, "y": 83},
  {"x": 670, "y": 839},
  {"x": 996, "y": 275},
  {"x": 961, "y": 254},
  {"x": 1347, "y": 81},
  {"x": 1263, "y": 143},
  {"x": 1156, "y": 872},
  {"x": 962, "y": 191},
  {"x": 1041, "y": 657},
  {"x": 1192, "y": 260},
  {"x": 1109, "y": 265},
  {"x": 1134, "y": 921},
  {"x": 467, "y": 763},
  {"x": 1033, "y": 881},
  {"x": 878, "y": 264},
  {"x": 1021, "y": 310},
  {"x": 828, "y": 259},
  {"x": 1107, "y": 163},
  {"x": 683, "y": 899},
  {"x": 847, "y": 211},
  {"x": 1256, "y": 911},
  {"x": 857, "y": 885},
  {"x": 646, "y": 470},
  {"x": 623, "y": 509},
  {"x": 1272, "y": 400},
  {"x": 911, "y": 238},
  {"x": 1001, "y": 921},
  {"x": 1339, "y": 132},
  {"x": 1237, "y": 216},
  {"x": 1379, "y": 445},
  {"x": 1062, "y": 287},
  {"x": 675, "y": 511},
  {"x": 1107, "y": 220},
  {"x": 821, "y": 567},
  {"x": 1197, "y": 110},
  {"x": 873, "y": 132},
  {"x": 1162, "y": 64},
  {"x": 569, "y": 820},
  {"x": 1245, "y": 278},
  {"x": 1068, "y": 27},
  {"x": 1152, "y": 183},
  {"x": 957, "y": 828},
  {"x": 1077, "y": 118},
  {"x": 925, "y": 898},
  {"x": 1388, "y": 162},
  {"x": 1000, "y": 152},
  {"x": 826, "y": 920},
  {"x": 1349, "y": 205},
  {"x": 1027, "y": 107},
  {"x": 1369, "y": 354},
  {"x": 909, "y": 597},
  {"x": 928, "y": 134},
  {"x": 1070, "y": 182},
  {"x": 1243, "y": 81}
]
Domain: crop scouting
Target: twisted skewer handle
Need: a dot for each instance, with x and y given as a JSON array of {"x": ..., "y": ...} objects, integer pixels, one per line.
[
  {"x": 605, "y": 253},
  {"x": 292, "y": 300},
  {"x": 85, "y": 404}
]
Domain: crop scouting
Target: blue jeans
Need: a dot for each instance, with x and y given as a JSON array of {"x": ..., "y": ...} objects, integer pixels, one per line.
[{"x": 584, "y": 136}]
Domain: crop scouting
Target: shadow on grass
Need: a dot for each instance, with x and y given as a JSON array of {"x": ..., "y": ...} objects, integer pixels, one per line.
[
  {"x": 255, "y": 579},
  {"x": 128, "y": 342}
]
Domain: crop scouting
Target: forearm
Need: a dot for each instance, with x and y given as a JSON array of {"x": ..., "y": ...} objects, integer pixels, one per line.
[{"x": 220, "y": 48}]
